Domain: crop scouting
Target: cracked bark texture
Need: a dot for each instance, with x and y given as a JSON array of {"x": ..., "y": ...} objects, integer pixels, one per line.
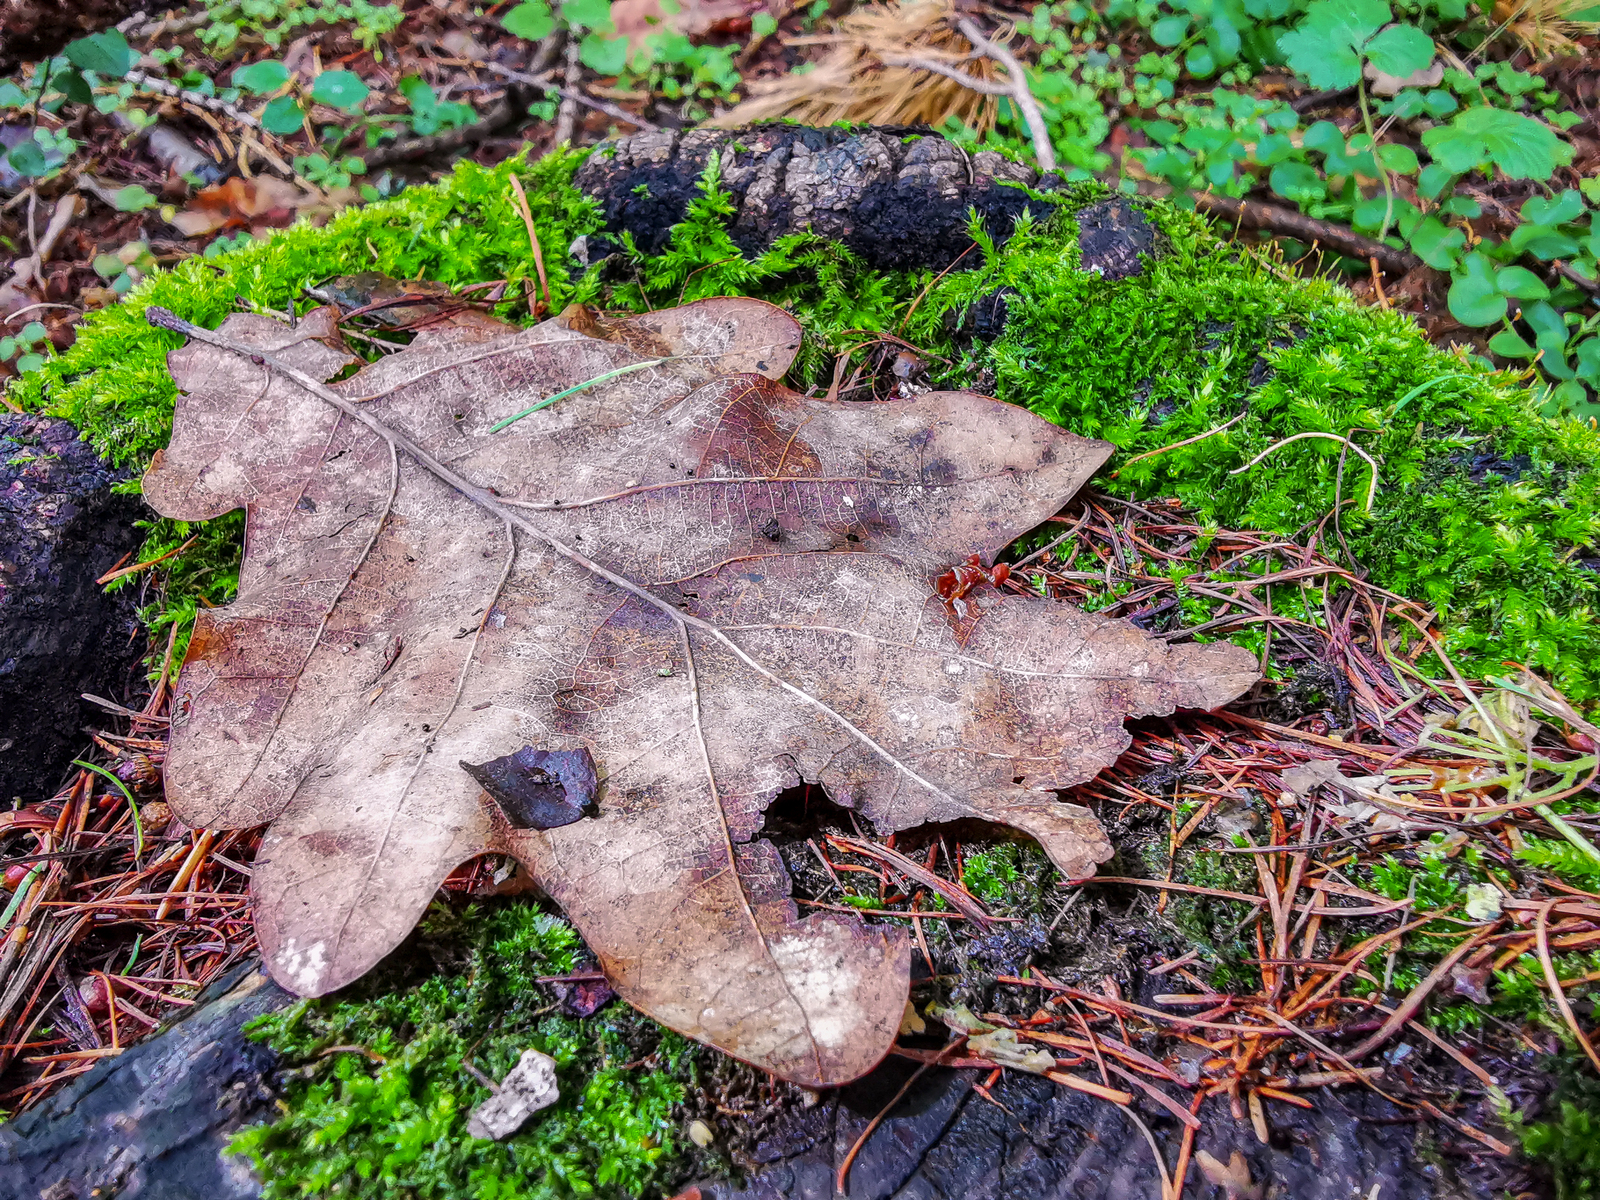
[
  {"x": 898, "y": 197},
  {"x": 944, "y": 1141},
  {"x": 151, "y": 1123},
  {"x": 61, "y": 525}
]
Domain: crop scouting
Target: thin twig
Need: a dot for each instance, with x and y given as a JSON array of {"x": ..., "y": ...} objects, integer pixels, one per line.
[
  {"x": 1372, "y": 487},
  {"x": 550, "y": 85}
]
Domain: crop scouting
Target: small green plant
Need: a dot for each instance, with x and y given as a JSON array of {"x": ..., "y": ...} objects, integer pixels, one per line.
[
  {"x": 991, "y": 874},
  {"x": 664, "y": 62},
  {"x": 273, "y": 21},
  {"x": 1439, "y": 137},
  {"x": 25, "y": 349}
]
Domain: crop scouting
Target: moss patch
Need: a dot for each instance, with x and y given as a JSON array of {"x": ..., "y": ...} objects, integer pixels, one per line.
[
  {"x": 1483, "y": 508},
  {"x": 378, "y": 1096}
]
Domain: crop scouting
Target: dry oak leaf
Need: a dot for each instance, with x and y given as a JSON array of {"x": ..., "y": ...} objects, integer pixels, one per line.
[{"x": 717, "y": 587}]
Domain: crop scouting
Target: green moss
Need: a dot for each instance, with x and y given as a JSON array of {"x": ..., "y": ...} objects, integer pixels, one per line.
[
  {"x": 113, "y": 382},
  {"x": 385, "y": 1114},
  {"x": 1012, "y": 878},
  {"x": 1567, "y": 1143},
  {"x": 1203, "y": 334}
]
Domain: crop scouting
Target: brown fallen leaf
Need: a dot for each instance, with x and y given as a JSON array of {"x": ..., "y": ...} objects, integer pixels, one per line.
[{"x": 714, "y": 586}]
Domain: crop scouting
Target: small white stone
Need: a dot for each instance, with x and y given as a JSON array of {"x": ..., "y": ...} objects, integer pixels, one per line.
[
  {"x": 700, "y": 1134},
  {"x": 527, "y": 1087}
]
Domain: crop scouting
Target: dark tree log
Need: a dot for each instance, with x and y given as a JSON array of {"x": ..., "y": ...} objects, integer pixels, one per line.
[
  {"x": 897, "y": 197},
  {"x": 152, "y": 1122},
  {"x": 61, "y": 526}
]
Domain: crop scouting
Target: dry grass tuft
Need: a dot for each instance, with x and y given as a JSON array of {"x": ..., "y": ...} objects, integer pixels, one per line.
[
  {"x": 862, "y": 77},
  {"x": 1544, "y": 27}
]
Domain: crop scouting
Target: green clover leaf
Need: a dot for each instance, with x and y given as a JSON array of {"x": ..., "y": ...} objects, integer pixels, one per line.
[
  {"x": 529, "y": 21},
  {"x": 261, "y": 78},
  {"x": 341, "y": 89},
  {"x": 1520, "y": 146}
]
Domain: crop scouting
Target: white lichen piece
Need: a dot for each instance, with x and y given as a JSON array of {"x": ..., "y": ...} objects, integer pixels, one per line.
[{"x": 527, "y": 1087}]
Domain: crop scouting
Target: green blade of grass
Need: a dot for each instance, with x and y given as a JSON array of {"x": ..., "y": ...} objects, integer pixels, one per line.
[
  {"x": 578, "y": 387},
  {"x": 138, "y": 825}
]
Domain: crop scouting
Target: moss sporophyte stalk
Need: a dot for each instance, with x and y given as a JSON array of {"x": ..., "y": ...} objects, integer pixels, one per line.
[{"x": 1483, "y": 508}]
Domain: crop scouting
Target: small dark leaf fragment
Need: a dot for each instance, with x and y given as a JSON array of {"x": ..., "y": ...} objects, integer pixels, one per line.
[{"x": 539, "y": 789}]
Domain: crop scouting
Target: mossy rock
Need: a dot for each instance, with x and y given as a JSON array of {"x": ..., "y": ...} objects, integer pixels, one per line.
[{"x": 1481, "y": 507}]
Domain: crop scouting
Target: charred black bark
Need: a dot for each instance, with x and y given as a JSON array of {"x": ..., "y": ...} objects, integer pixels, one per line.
[
  {"x": 153, "y": 1121},
  {"x": 899, "y": 198},
  {"x": 61, "y": 526}
]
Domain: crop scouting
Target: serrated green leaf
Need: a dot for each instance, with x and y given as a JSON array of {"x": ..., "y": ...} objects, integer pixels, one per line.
[
  {"x": 283, "y": 115},
  {"x": 1561, "y": 210},
  {"x": 106, "y": 54},
  {"x": 530, "y": 21},
  {"x": 1323, "y": 47},
  {"x": 340, "y": 89},
  {"x": 1520, "y": 146},
  {"x": 261, "y": 78},
  {"x": 1400, "y": 50}
]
